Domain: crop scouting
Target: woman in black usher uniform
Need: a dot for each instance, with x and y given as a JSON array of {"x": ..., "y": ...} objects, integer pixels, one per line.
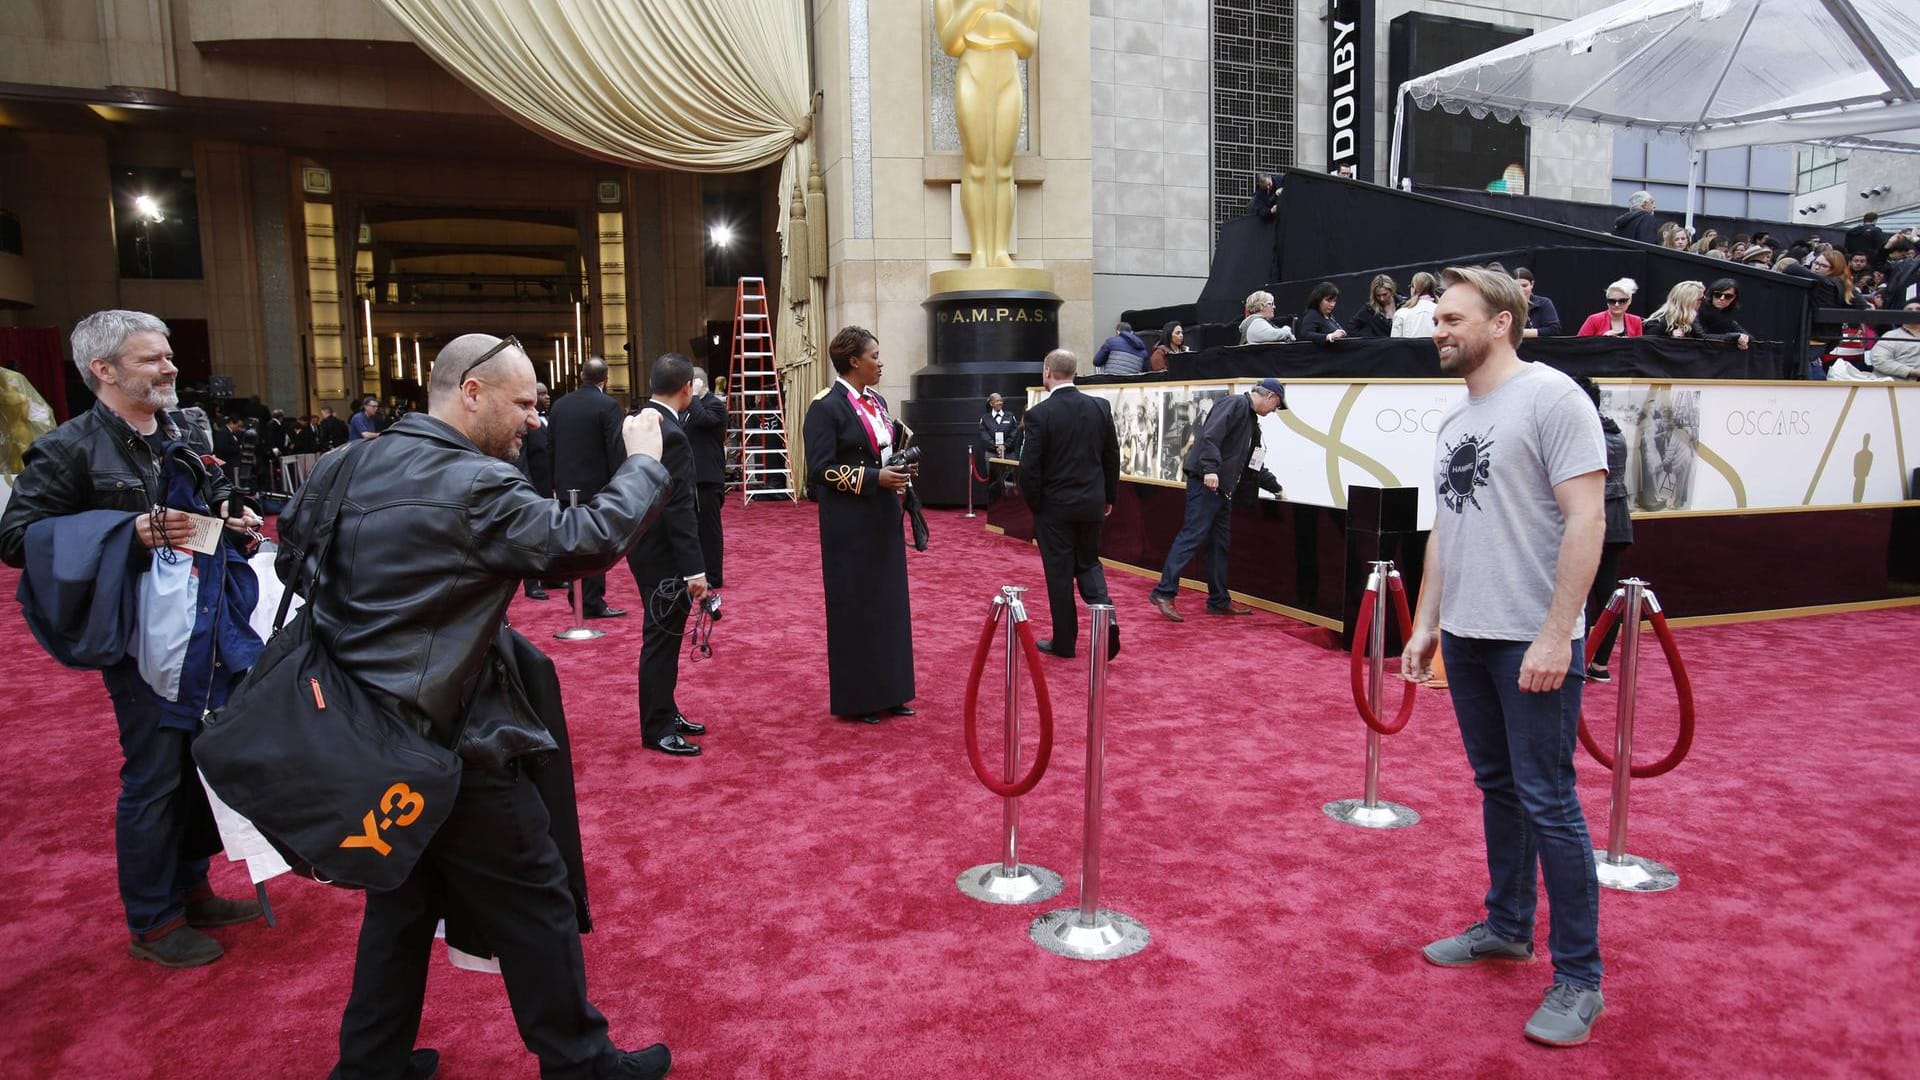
[{"x": 863, "y": 555}]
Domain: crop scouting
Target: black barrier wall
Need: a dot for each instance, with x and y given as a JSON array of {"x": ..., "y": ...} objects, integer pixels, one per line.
[
  {"x": 1332, "y": 228},
  {"x": 1600, "y": 219},
  {"x": 1416, "y": 358}
]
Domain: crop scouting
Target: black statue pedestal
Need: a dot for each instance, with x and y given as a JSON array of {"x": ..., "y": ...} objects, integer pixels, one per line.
[{"x": 979, "y": 342}]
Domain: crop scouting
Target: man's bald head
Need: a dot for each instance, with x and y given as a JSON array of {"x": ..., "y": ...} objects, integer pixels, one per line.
[
  {"x": 594, "y": 371},
  {"x": 451, "y": 366},
  {"x": 485, "y": 392}
]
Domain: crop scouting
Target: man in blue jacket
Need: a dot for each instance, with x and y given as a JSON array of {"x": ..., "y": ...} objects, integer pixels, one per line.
[{"x": 110, "y": 458}]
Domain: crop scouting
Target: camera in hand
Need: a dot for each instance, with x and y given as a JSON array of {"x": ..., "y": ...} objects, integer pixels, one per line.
[
  {"x": 905, "y": 459},
  {"x": 711, "y": 602}
]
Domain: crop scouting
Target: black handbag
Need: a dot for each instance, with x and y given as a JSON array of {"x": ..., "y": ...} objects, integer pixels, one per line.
[{"x": 347, "y": 792}]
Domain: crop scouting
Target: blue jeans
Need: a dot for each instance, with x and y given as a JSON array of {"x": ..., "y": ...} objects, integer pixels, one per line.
[
  {"x": 1209, "y": 521},
  {"x": 162, "y": 811},
  {"x": 1521, "y": 748}
]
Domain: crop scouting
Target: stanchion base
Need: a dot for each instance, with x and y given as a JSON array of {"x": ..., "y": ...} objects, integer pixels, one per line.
[
  {"x": 580, "y": 633},
  {"x": 1633, "y": 874},
  {"x": 1382, "y": 815},
  {"x": 1026, "y": 885},
  {"x": 1111, "y": 936},
  {"x": 969, "y": 515}
]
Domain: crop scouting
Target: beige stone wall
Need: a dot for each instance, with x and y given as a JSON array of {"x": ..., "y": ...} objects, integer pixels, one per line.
[{"x": 881, "y": 255}]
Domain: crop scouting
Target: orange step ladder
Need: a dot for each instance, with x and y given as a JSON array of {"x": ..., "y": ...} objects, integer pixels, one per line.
[{"x": 756, "y": 410}]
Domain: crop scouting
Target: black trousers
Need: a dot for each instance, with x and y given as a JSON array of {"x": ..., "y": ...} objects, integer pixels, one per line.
[
  {"x": 1605, "y": 580},
  {"x": 1070, "y": 555},
  {"x": 493, "y": 852},
  {"x": 661, "y": 638},
  {"x": 708, "y": 498},
  {"x": 593, "y": 593}
]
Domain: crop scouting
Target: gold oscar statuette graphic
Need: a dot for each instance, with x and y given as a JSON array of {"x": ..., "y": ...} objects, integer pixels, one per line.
[{"x": 987, "y": 37}]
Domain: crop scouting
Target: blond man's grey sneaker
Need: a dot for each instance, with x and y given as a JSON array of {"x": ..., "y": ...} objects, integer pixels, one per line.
[
  {"x": 1475, "y": 944},
  {"x": 1567, "y": 1015}
]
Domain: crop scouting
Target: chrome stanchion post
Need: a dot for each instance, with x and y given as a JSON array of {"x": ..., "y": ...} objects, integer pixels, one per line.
[
  {"x": 1370, "y": 811},
  {"x": 1008, "y": 881},
  {"x": 970, "y": 512},
  {"x": 576, "y": 600},
  {"x": 1614, "y": 867},
  {"x": 1089, "y": 932}
]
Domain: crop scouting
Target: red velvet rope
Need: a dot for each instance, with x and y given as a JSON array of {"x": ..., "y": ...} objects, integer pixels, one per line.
[
  {"x": 1358, "y": 669},
  {"x": 974, "y": 471},
  {"x": 971, "y": 712},
  {"x": 1682, "y": 685}
]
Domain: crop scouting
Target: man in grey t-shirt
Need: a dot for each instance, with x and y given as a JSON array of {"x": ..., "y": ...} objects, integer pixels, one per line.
[{"x": 1521, "y": 475}]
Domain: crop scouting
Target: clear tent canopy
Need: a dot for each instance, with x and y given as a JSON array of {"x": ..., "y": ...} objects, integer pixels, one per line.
[{"x": 1712, "y": 73}]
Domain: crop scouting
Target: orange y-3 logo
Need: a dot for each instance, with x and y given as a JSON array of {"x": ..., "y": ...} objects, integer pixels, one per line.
[{"x": 409, "y": 803}]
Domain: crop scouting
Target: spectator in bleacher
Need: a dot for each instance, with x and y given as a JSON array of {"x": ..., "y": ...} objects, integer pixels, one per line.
[
  {"x": 1259, "y": 326},
  {"x": 1265, "y": 203},
  {"x": 1832, "y": 287},
  {"x": 1125, "y": 353},
  {"x": 1673, "y": 235},
  {"x": 1317, "y": 323},
  {"x": 1867, "y": 238},
  {"x": 1173, "y": 339},
  {"x": 1638, "y": 223},
  {"x": 1897, "y": 353},
  {"x": 1415, "y": 317},
  {"x": 1376, "y": 318},
  {"x": 1543, "y": 319},
  {"x": 1866, "y": 280},
  {"x": 1680, "y": 316},
  {"x": 1717, "y": 319},
  {"x": 1704, "y": 243},
  {"x": 1903, "y": 273},
  {"x": 1616, "y": 321}
]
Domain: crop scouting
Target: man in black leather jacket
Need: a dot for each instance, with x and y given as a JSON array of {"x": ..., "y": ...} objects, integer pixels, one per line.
[
  {"x": 437, "y": 531},
  {"x": 108, "y": 458}
]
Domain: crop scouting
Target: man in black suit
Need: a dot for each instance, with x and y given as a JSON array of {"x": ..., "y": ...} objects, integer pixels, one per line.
[
  {"x": 666, "y": 565},
  {"x": 706, "y": 424},
  {"x": 587, "y": 448},
  {"x": 1070, "y": 473},
  {"x": 536, "y": 464},
  {"x": 1226, "y": 452},
  {"x": 332, "y": 430}
]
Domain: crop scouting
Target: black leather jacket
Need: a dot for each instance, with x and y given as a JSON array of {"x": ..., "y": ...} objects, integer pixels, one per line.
[
  {"x": 95, "y": 461},
  {"x": 433, "y": 539}
]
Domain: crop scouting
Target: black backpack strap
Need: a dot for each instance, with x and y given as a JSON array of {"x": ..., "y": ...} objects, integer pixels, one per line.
[{"x": 307, "y": 581}]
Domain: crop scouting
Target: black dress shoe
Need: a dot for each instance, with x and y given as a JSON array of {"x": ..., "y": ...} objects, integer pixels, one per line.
[
  {"x": 1113, "y": 639},
  {"x": 607, "y": 613},
  {"x": 423, "y": 1064},
  {"x": 901, "y": 710},
  {"x": 1046, "y": 645},
  {"x": 869, "y": 718},
  {"x": 675, "y": 745},
  {"x": 653, "y": 1063},
  {"x": 536, "y": 593},
  {"x": 684, "y": 726}
]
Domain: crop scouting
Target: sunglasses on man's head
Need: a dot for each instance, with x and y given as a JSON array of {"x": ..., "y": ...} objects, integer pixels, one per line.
[
  {"x": 1617, "y": 299},
  {"x": 505, "y": 343}
]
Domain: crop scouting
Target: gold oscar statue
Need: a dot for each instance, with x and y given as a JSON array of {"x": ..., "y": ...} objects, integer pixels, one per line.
[{"x": 986, "y": 37}]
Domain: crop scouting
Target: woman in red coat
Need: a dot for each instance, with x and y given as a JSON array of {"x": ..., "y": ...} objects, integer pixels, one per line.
[{"x": 1616, "y": 321}]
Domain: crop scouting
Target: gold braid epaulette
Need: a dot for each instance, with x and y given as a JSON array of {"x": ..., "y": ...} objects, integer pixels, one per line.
[{"x": 845, "y": 478}]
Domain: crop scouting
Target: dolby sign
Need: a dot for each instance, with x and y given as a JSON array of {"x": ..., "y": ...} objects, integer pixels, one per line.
[{"x": 1350, "y": 87}]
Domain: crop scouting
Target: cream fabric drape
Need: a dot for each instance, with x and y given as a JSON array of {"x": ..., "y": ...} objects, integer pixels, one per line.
[{"x": 693, "y": 85}]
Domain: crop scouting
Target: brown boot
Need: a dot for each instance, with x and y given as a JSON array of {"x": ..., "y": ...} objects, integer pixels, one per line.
[
  {"x": 206, "y": 909},
  {"x": 180, "y": 947}
]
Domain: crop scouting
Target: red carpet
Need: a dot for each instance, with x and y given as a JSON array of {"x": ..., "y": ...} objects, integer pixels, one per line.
[{"x": 784, "y": 906}]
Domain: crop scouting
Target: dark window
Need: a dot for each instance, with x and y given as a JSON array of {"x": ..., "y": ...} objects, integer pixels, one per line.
[
  {"x": 1253, "y": 122},
  {"x": 156, "y": 222},
  {"x": 1445, "y": 149}
]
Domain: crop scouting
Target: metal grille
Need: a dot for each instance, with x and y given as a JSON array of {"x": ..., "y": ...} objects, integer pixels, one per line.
[{"x": 1253, "y": 123}]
